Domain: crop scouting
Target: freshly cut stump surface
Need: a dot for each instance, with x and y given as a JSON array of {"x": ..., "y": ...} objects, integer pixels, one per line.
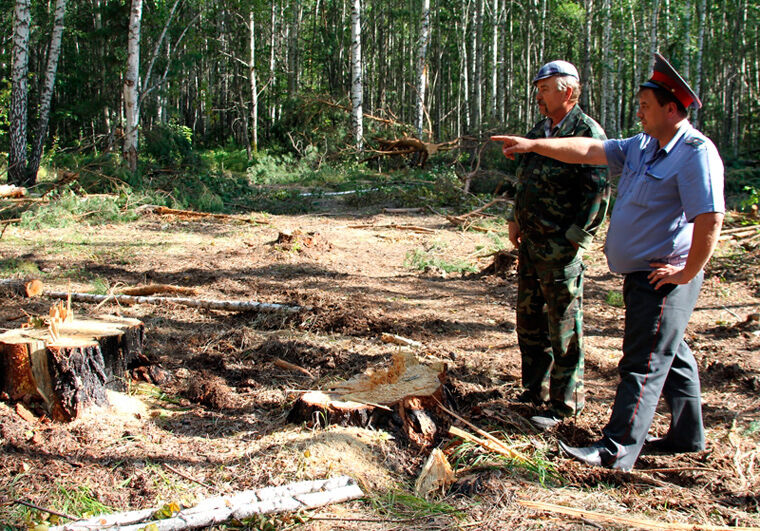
[
  {"x": 74, "y": 370},
  {"x": 407, "y": 390}
]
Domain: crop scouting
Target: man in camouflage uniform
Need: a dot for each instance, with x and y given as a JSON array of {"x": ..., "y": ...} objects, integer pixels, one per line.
[{"x": 558, "y": 208}]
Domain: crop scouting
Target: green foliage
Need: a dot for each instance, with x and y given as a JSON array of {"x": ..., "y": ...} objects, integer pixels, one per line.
[
  {"x": 5, "y": 103},
  {"x": 432, "y": 258},
  {"x": 15, "y": 266},
  {"x": 67, "y": 208},
  {"x": 614, "y": 298},
  {"x": 170, "y": 145},
  {"x": 752, "y": 199},
  {"x": 400, "y": 504},
  {"x": 437, "y": 187},
  {"x": 226, "y": 159},
  {"x": 742, "y": 187},
  {"x": 536, "y": 466}
]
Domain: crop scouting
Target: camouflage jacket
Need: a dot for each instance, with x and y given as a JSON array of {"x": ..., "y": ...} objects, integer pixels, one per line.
[{"x": 553, "y": 198}]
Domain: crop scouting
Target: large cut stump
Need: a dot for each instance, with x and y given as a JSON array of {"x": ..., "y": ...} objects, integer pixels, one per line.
[
  {"x": 407, "y": 393},
  {"x": 72, "y": 370}
]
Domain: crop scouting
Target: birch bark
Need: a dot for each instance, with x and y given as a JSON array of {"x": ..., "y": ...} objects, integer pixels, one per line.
[
  {"x": 356, "y": 74},
  {"x": 422, "y": 67},
  {"x": 19, "y": 94},
  {"x": 47, "y": 92},
  {"x": 131, "y": 87},
  {"x": 254, "y": 85}
]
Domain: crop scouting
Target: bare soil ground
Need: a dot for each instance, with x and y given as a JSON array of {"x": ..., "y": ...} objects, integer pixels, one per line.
[{"x": 219, "y": 417}]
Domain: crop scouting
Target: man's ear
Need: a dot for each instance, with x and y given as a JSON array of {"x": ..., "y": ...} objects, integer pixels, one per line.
[{"x": 568, "y": 93}]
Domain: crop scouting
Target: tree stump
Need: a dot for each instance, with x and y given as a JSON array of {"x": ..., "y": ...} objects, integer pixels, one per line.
[
  {"x": 21, "y": 287},
  {"x": 73, "y": 371},
  {"x": 407, "y": 393}
]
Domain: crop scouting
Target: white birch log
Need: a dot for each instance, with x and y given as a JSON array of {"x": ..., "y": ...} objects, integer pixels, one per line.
[
  {"x": 219, "y": 509},
  {"x": 183, "y": 301}
]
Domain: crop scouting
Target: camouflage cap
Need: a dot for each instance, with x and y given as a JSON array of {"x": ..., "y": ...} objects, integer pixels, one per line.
[
  {"x": 556, "y": 68},
  {"x": 666, "y": 77}
]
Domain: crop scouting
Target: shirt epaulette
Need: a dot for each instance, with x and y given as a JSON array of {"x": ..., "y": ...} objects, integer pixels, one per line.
[{"x": 694, "y": 142}]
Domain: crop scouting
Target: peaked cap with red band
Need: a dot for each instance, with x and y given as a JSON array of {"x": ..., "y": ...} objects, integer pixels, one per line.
[{"x": 666, "y": 77}]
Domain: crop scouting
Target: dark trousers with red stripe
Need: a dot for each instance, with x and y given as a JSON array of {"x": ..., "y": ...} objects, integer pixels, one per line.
[{"x": 656, "y": 361}]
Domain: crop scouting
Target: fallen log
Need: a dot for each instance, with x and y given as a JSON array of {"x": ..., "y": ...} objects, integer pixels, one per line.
[
  {"x": 410, "y": 145},
  {"x": 11, "y": 190},
  {"x": 220, "y": 509},
  {"x": 233, "y": 306},
  {"x": 165, "y": 211},
  {"x": 21, "y": 287},
  {"x": 413, "y": 228},
  {"x": 407, "y": 390},
  {"x": 69, "y": 365}
]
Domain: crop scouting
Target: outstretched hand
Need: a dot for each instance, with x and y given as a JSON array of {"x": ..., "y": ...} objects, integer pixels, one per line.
[{"x": 512, "y": 145}]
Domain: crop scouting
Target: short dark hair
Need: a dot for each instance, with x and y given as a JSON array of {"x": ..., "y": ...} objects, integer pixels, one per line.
[{"x": 663, "y": 97}]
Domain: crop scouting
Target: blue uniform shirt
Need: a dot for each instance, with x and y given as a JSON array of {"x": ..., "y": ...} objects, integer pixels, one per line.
[{"x": 660, "y": 192}]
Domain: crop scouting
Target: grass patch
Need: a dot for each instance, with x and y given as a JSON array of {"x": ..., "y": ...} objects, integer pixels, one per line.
[
  {"x": 614, "y": 298},
  {"x": 15, "y": 266},
  {"x": 404, "y": 505},
  {"x": 432, "y": 259},
  {"x": 536, "y": 467}
]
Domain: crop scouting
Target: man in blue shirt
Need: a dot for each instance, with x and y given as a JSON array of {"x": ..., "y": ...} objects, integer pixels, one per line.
[{"x": 663, "y": 229}]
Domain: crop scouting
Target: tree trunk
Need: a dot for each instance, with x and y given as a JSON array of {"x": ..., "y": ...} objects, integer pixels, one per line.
[
  {"x": 653, "y": 33},
  {"x": 356, "y": 75},
  {"x": 608, "y": 96},
  {"x": 587, "y": 84},
  {"x": 72, "y": 371},
  {"x": 700, "y": 51},
  {"x": 495, "y": 63},
  {"x": 131, "y": 87},
  {"x": 19, "y": 94},
  {"x": 422, "y": 67},
  {"x": 477, "y": 61},
  {"x": 47, "y": 92},
  {"x": 254, "y": 85}
]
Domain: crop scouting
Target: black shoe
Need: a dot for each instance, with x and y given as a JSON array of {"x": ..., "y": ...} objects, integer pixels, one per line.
[
  {"x": 546, "y": 421},
  {"x": 665, "y": 446},
  {"x": 585, "y": 454},
  {"x": 529, "y": 397}
]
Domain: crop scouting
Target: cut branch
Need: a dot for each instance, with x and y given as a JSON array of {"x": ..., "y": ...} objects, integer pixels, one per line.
[
  {"x": 410, "y": 145},
  {"x": 233, "y": 306},
  {"x": 165, "y": 211},
  {"x": 220, "y": 509}
]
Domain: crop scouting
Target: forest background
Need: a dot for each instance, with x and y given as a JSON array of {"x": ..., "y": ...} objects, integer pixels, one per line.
[{"x": 276, "y": 88}]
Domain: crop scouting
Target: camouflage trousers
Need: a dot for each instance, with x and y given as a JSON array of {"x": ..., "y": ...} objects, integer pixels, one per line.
[{"x": 550, "y": 323}]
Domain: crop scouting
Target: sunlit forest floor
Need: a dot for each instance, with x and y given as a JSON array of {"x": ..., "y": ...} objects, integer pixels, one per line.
[{"x": 216, "y": 423}]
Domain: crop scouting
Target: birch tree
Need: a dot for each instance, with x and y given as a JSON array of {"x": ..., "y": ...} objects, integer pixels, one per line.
[
  {"x": 254, "y": 86},
  {"x": 46, "y": 97},
  {"x": 19, "y": 94},
  {"x": 700, "y": 48},
  {"x": 422, "y": 66},
  {"x": 131, "y": 87},
  {"x": 356, "y": 74}
]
